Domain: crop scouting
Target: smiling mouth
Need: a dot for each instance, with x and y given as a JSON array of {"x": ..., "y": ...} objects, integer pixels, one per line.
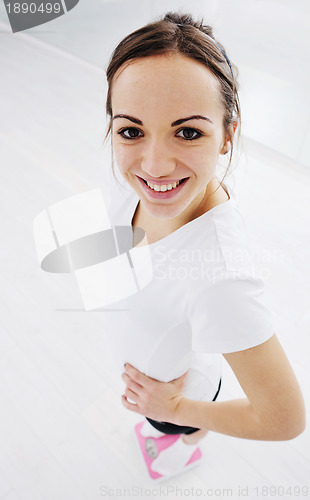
[{"x": 164, "y": 187}]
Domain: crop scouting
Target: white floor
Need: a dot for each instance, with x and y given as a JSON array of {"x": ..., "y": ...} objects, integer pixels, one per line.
[{"x": 63, "y": 431}]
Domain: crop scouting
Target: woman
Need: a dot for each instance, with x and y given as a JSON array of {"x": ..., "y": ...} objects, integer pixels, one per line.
[{"x": 174, "y": 109}]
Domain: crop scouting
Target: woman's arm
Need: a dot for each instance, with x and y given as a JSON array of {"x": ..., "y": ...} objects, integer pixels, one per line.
[{"x": 274, "y": 408}]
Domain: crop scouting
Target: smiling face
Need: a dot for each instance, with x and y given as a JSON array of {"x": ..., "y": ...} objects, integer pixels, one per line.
[{"x": 154, "y": 142}]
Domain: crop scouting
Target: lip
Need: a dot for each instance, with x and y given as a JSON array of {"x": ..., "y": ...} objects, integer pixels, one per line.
[
  {"x": 161, "y": 183},
  {"x": 162, "y": 195}
]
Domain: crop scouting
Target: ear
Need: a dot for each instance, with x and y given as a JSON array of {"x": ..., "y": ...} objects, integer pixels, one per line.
[
  {"x": 226, "y": 146},
  {"x": 227, "y": 142}
]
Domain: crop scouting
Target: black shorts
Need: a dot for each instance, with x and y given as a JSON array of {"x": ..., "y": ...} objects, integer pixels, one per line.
[{"x": 169, "y": 428}]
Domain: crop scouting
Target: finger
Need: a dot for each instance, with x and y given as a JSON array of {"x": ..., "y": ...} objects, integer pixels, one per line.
[
  {"x": 131, "y": 383},
  {"x": 139, "y": 377},
  {"x": 129, "y": 406},
  {"x": 131, "y": 394}
]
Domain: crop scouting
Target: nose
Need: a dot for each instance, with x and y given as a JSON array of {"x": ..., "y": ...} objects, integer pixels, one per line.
[{"x": 157, "y": 160}]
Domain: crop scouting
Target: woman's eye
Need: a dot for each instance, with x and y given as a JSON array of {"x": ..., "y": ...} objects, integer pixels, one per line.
[
  {"x": 129, "y": 130},
  {"x": 188, "y": 134}
]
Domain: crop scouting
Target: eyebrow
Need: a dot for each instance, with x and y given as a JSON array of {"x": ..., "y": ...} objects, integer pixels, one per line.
[{"x": 173, "y": 124}]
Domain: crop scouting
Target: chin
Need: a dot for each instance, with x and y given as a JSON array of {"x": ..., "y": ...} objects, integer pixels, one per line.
[{"x": 163, "y": 212}]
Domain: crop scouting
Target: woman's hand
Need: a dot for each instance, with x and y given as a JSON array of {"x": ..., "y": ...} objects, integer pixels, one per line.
[{"x": 154, "y": 399}]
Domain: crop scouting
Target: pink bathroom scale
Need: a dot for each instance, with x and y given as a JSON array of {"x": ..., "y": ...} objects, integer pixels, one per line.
[{"x": 152, "y": 447}]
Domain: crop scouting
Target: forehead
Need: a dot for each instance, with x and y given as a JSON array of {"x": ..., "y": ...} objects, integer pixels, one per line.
[{"x": 166, "y": 83}]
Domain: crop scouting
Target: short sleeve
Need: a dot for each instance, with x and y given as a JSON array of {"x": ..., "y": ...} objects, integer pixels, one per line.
[{"x": 230, "y": 315}]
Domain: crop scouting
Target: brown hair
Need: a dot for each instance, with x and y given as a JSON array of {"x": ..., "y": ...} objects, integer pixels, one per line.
[{"x": 179, "y": 33}]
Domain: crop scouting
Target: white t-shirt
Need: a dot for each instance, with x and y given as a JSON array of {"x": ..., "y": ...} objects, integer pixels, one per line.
[{"x": 205, "y": 298}]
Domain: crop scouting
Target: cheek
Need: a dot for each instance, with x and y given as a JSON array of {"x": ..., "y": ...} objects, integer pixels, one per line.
[
  {"x": 123, "y": 157},
  {"x": 201, "y": 162}
]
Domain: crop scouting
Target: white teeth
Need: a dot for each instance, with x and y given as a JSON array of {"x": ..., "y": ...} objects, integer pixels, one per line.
[{"x": 163, "y": 187}]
